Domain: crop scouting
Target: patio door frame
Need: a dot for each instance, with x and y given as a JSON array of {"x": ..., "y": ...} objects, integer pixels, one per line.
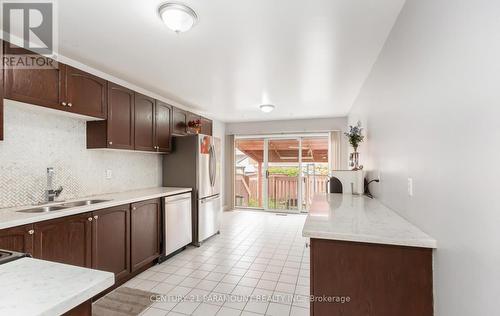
[{"x": 265, "y": 165}]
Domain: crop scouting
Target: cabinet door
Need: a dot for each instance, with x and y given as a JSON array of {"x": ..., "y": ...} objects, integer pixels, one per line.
[
  {"x": 179, "y": 122},
  {"x": 35, "y": 86},
  {"x": 144, "y": 123},
  {"x": 111, "y": 240},
  {"x": 191, "y": 118},
  {"x": 206, "y": 126},
  {"x": 145, "y": 232},
  {"x": 163, "y": 117},
  {"x": 18, "y": 239},
  {"x": 65, "y": 240},
  {"x": 120, "y": 127},
  {"x": 84, "y": 93}
]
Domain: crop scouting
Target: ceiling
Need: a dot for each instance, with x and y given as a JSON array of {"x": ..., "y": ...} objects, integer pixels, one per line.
[{"x": 309, "y": 58}]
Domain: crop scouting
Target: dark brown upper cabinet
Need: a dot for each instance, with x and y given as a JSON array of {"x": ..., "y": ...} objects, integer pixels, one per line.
[
  {"x": 117, "y": 131},
  {"x": 206, "y": 126},
  {"x": 61, "y": 87},
  {"x": 179, "y": 122},
  {"x": 144, "y": 127},
  {"x": 35, "y": 86},
  {"x": 191, "y": 117},
  {"x": 111, "y": 240},
  {"x": 144, "y": 233},
  {"x": 163, "y": 127},
  {"x": 83, "y": 93}
]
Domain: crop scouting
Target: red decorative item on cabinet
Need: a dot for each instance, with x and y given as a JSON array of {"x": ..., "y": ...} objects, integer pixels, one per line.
[{"x": 196, "y": 125}]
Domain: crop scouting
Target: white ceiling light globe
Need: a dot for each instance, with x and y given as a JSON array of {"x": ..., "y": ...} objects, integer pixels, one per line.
[
  {"x": 266, "y": 108},
  {"x": 178, "y": 17}
]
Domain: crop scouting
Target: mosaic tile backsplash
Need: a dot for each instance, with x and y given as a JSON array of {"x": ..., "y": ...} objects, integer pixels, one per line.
[{"x": 36, "y": 139}]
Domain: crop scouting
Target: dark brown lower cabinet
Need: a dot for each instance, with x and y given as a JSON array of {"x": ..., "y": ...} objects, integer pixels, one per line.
[
  {"x": 18, "y": 239},
  {"x": 123, "y": 239},
  {"x": 111, "y": 241},
  {"x": 379, "y": 280},
  {"x": 65, "y": 240},
  {"x": 145, "y": 232}
]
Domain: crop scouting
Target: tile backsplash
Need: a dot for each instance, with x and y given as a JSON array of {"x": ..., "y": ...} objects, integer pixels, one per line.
[{"x": 37, "y": 138}]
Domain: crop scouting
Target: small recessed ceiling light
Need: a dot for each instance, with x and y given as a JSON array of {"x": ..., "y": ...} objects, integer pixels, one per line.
[
  {"x": 266, "y": 108},
  {"x": 177, "y": 16}
]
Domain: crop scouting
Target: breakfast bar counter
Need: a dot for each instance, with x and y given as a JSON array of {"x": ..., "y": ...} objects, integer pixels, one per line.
[
  {"x": 365, "y": 259},
  {"x": 38, "y": 287},
  {"x": 361, "y": 219}
]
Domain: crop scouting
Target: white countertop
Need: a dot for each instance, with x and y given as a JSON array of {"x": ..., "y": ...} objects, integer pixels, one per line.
[
  {"x": 358, "y": 218},
  {"x": 38, "y": 287},
  {"x": 9, "y": 217}
]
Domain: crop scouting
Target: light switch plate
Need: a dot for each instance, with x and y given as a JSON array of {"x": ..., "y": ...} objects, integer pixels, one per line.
[
  {"x": 109, "y": 173},
  {"x": 410, "y": 186}
]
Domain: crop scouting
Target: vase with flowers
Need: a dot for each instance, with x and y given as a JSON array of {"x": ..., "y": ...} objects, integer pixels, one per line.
[
  {"x": 355, "y": 137},
  {"x": 196, "y": 125}
]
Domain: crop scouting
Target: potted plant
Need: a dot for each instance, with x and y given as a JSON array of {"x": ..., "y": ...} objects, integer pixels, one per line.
[{"x": 355, "y": 137}]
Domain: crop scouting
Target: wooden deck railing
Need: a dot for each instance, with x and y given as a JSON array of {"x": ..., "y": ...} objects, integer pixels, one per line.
[{"x": 282, "y": 190}]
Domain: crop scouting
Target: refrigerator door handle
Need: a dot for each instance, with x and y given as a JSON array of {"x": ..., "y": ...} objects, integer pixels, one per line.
[
  {"x": 210, "y": 171},
  {"x": 205, "y": 200},
  {"x": 214, "y": 165}
]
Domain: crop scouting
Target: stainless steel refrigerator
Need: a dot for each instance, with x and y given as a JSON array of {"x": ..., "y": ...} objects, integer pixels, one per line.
[{"x": 195, "y": 163}]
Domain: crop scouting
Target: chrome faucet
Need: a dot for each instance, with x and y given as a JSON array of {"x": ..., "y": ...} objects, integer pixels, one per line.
[{"x": 51, "y": 194}]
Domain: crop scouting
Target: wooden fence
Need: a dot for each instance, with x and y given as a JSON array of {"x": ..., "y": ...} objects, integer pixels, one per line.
[{"x": 282, "y": 190}]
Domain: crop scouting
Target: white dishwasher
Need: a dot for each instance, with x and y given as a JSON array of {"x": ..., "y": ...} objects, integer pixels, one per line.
[{"x": 177, "y": 222}]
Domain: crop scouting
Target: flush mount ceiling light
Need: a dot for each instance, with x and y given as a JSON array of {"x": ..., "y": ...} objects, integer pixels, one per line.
[
  {"x": 266, "y": 108},
  {"x": 177, "y": 16}
]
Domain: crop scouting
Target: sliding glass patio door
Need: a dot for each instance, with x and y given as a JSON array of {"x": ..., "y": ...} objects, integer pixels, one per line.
[{"x": 280, "y": 173}]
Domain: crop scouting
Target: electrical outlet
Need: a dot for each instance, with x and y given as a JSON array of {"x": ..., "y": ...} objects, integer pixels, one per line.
[
  {"x": 109, "y": 173},
  {"x": 410, "y": 186}
]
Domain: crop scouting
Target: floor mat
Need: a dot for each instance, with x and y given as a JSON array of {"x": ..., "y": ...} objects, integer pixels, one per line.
[{"x": 123, "y": 301}]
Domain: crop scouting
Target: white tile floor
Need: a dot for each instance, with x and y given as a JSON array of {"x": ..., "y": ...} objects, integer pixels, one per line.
[{"x": 258, "y": 265}]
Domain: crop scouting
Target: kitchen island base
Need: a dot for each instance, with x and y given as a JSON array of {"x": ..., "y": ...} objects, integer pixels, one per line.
[{"x": 370, "y": 279}]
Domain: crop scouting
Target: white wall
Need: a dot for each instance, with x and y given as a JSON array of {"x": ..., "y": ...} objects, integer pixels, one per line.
[
  {"x": 431, "y": 106},
  {"x": 287, "y": 126},
  {"x": 37, "y": 138}
]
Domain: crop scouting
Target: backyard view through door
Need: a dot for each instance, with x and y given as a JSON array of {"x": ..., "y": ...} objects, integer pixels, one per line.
[
  {"x": 249, "y": 168},
  {"x": 280, "y": 174}
]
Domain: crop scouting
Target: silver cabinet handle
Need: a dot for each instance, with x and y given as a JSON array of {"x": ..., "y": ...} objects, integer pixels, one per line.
[
  {"x": 96, "y": 217},
  {"x": 111, "y": 143},
  {"x": 70, "y": 105},
  {"x": 31, "y": 231},
  {"x": 63, "y": 103},
  {"x": 90, "y": 219},
  {"x": 134, "y": 208}
]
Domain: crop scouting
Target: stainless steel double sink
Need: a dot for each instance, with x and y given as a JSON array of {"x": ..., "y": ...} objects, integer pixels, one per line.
[{"x": 51, "y": 208}]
